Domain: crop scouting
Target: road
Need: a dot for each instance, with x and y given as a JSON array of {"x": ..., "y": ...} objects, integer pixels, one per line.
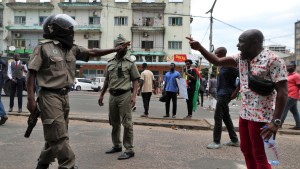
[
  {"x": 155, "y": 147},
  {"x": 86, "y": 104}
]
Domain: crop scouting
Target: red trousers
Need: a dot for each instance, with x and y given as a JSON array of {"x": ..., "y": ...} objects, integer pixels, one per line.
[{"x": 251, "y": 144}]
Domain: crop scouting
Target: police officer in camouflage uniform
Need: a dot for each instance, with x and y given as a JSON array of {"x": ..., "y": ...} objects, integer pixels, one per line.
[
  {"x": 52, "y": 64},
  {"x": 121, "y": 71}
]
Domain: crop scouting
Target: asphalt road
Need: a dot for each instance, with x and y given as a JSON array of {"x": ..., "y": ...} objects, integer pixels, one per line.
[
  {"x": 85, "y": 103},
  {"x": 155, "y": 147}
]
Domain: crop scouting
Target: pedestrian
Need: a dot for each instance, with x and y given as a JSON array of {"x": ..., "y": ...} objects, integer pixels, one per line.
[
  {"x": 192, "y": 78},
  {"x": 171, "y": 90},
  {"x": 15, "y": 74},
  {"x": 202, "y": 88},
  {"x": 3, "y": 67},
  {"x": 156, "y": 85},
  {"x": 146, "y": 86},
  {"x": 121, "y": 71},
  {"x": 226, "y": 87},
  {"x": 53, "y": 64},
  {"x": 256, "y": 110},
  {"x": 212, "y": 92},
  {"x": 293, "y": 95}
]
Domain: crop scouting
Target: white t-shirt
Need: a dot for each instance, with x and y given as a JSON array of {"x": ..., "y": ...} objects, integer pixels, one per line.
[{"x": 148, "y": 77}]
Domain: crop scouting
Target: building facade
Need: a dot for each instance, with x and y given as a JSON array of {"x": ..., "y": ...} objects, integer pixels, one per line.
[{"x": 156, "y": 28}]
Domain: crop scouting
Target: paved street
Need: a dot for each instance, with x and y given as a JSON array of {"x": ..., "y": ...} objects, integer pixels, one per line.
[
  {"x": 85, "y": 104},
  {"x": 155, "y": 147}
]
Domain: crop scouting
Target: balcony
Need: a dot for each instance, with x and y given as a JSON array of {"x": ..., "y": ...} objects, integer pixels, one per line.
[
  {"x": 30, "y": 4},
  {"x": 136, "y": 28},
  {"x": 148, "y": 6},
  {"x": 82, "y": 4},
  {"x": 37, "y": 28}
]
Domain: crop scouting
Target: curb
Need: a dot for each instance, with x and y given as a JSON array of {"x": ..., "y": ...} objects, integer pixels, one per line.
[{"x": 167, "y": 125}]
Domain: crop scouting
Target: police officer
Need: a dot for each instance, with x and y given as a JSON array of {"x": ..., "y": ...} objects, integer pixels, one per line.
[
  {"x": 121, "y": 71},
  {"x": 52, "y": 64}
]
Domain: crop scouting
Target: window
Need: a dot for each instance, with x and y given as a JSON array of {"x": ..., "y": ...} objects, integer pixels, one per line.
[
  {"x": 298, "y": 52},
  {"x": 175, "y": 21},
  {"x": 148, "y": 1},
  {"x": 150, "y": 58},
  {"x": 298, "y": 62},
  {"x": 175, "y": 44},
  {"x": 94, "y": 20},
  {"x": 175, "y": 0},
  {"x": 147, "y": 44},
  {"x": 93, "y": 44},
  {"x": 42, "y": 19},
  {"x": 94, "y": 0},
  {"x": 121, "y": 0},
  {"x": 298, "y": 42},
  {"x": 100, "y": 72},
  {"x": 20, "y": 20},
  {"x": 19, "y": 43},
  {"x": 121, "y": 20},
  {"x": 147, "y": 21}
]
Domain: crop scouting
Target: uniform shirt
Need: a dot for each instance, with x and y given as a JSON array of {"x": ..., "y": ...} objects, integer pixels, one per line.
[
  {"x": 147, "y": 77},
  {"x": 170, "y": 79},
  {"x": 129, "y": 73},
  {"x": 226, "y": 80},
  {"x": 9, "y": 71},
  {"x": 56, "y": 66},
  {"x": 268, "y": 66},
  {"x": 293, "y": 82}
]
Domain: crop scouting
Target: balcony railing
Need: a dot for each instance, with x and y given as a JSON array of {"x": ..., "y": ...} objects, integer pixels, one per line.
[
  {"x": 30, "y": 4},
  {"x": 82, "y": 4},
  {"x": 148, "y": 6},
  {"x": 136, "y": 28}
]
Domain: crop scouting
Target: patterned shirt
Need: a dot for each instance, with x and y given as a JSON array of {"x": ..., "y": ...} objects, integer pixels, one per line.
[{"x": 268, "y": 66}]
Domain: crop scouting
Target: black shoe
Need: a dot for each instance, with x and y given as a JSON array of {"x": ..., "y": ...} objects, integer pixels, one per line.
[
  {"x": 10, "y": 109},
  {"x": 126, "y": 155},
  {"x": 3, "y": 119},
  {"x": 114, "y": 150},
  {"x": 166, "y": 116},
  {"x": 42, "y": 166},
  {"x": 20, "y": 110}
]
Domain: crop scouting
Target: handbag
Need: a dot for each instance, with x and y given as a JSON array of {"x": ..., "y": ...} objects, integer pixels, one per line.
[
  {"x": 259, "y": 85},
  {"x": 163, "y": 98}
]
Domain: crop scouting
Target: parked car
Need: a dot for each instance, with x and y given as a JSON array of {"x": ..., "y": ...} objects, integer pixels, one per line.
[
  {"x": 98, "y": 83},
  {"x": 82, "y": 84}
]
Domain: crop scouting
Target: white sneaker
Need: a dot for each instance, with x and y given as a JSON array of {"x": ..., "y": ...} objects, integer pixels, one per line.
[
  {"x": 231, "y": 143},
  {"x": 214, "y": 145}
]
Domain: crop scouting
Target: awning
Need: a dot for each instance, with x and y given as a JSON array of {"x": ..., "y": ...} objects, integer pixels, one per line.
[
  {"x": 20, "y": 51},
  {"x": 148, "y": 53}
]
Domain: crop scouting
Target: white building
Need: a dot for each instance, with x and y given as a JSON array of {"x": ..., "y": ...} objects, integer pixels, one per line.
[{"x": 156, "y": 28}]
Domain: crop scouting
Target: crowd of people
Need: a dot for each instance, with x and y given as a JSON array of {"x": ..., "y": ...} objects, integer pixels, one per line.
[{"x": 49, "y": 68}]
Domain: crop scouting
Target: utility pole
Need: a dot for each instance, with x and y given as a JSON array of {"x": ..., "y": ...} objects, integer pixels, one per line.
[{"x": 211, "y": 47}]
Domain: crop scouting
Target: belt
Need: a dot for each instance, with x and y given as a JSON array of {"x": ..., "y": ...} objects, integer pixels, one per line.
[
  {"x": 61, "y": 91},
  {"x": 117, "y": 92}
]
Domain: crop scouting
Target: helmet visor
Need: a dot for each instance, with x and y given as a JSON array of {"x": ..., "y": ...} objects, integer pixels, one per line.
[{"x": 64, "y": 21}]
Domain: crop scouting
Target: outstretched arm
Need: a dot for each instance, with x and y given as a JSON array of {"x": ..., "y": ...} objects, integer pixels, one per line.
[
  {"x": 95, "y": 52},
  {"x": 224, "y": 61}
]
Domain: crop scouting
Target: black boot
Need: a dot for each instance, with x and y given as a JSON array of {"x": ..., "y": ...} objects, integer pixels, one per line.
[{"x": 42, "y": 166}]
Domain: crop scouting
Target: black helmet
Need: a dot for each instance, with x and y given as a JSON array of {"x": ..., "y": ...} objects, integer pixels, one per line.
[{"x": 62, "y": 20}]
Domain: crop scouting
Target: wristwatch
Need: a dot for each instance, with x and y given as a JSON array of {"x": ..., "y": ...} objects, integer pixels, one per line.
[{"x": 277, "y": 122}]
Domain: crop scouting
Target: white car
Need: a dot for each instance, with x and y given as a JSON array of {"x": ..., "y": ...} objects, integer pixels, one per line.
[
  {"x": 82, "y": 84},
  {"x": 98, "y": 83}
]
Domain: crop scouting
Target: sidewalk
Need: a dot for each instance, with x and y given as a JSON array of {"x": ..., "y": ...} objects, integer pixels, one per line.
[{"x": 187, "y": 124}]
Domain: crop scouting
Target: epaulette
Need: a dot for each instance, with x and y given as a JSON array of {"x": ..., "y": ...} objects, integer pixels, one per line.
[
  {"x": 128, "y": 59},
  {"x": 45, "y": 41},
  {"x": 111, "y": 59}
]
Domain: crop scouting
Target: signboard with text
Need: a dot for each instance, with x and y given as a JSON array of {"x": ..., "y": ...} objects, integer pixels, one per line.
[{"x": 179, "y": 57}]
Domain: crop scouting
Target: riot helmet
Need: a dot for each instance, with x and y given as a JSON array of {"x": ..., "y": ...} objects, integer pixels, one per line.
[
  {"x": 64, "y": 21},
  {"x": 60, "y": 27}
]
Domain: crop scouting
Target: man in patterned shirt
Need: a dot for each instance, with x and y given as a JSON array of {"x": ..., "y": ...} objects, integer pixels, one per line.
[{"x": 256, "y": 110}]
